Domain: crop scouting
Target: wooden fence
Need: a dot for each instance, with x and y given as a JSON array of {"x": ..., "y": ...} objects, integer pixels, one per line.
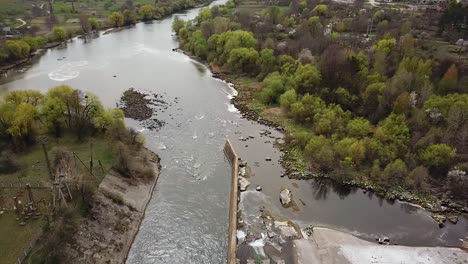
[
  {"x": 20, "y": 184},
  {"x": 232, "y": 228}
]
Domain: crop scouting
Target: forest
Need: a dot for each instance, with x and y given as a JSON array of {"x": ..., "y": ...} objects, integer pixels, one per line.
[{"x": 372, "y": 102}]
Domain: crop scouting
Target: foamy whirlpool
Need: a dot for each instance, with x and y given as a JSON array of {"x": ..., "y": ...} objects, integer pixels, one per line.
[{"x": 67, "y": 71}]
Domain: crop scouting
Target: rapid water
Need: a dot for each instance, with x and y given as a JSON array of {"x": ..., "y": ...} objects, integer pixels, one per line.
[{"x": 186, "y": 221}]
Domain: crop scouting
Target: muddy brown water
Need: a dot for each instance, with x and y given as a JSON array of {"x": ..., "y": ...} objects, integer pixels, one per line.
[{"x": 186, "y": 220}]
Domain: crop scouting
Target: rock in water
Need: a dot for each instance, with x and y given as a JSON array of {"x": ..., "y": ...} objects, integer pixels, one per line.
[
  {"x": 285, "y": 197},
  {"x": 259, "y": 188},
  {"x": 268, "y": 159},
  {"x": 453, "y": 219},
  {"x": 243, "y": 184},
  {"x": 242, "y": 171}
]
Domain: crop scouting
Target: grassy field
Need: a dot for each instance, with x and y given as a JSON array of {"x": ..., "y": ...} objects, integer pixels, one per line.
[
  {"x": 34, "y": 169},
  {"x": 14, "y": 236}
]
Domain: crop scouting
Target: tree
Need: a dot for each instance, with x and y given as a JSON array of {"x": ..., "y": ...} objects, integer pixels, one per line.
[
  {"x": 59, "y": 34},
  {"x": 320, "y": 152},
  {"x": 288, "y": 98},
  {"x": 321, "y": 10},
  {"x": 84, "y": 22},
  {"x": 273, "y": 87},
  {"x": 385, "y": 46},
  {"x": 146, "y": 12},
  {"x": 117, "y": 19},
  {"x": 395, "y": 172},
  {"x": 307, "y": 78},
  {"x": 448, "y": 84},
  {"x": 93, "y": 23},
  {"x": 53, "y": 110},
  {"x": 177, "y": 24},
  {"x": 274, "y": 13},
  {"x": 20, "y": 124},
  {"x": 129, "y": 17},
  {"x": 438, "y": 156},
  {"x": 17, "y": 49},
  {"x": 243, "y": 60},
  {"x": 359, "y": 127},
  {"x": 417, "y": 179},
  {"x": 34, "y": 43},
  {"x": 267, "y": 61},
  {"x": 394, "y": 133}
]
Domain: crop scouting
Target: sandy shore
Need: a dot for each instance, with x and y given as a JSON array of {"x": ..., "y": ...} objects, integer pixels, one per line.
[
  {"x": 108, "y": 232},
  {"x": 330, "y": 246}
]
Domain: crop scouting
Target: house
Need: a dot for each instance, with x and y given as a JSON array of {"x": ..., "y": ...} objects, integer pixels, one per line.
[
  {"x": 6, "y": 31},
  {"x": 10, "y": 33}
]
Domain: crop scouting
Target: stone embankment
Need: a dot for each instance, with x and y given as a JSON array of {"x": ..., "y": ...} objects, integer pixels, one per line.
[{"x": 107, "y": 233}]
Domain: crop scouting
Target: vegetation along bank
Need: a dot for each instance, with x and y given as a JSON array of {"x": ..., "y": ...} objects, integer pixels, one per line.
[
  {"x": 382, "y": 106},
  {"x": 91, "y": 178}
]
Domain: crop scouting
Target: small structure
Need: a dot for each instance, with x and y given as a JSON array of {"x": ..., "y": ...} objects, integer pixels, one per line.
[{"x": 10, "y": 33}]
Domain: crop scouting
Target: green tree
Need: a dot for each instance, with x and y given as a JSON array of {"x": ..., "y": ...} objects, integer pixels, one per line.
[
  {"x": 267, "y": 61},
  {"x": 394, "y": 133},
  {"x": 439, "y": 156},
  {"x": 243, "y": 60},
  {"x": 177, "y": 24},
  {"x": 53, "y": 110},
  {"x": 288, "y": 98},
  {"x": 93, "y": 23},
  {"x": 320, "y": 152},
  {"x": 359, "y": 127},
  {"x": 321, "y": 10},
  {"x": 59, "y": 34},
  {"x": 17, "y": 49},
  {"x": 307, "y": 78},
  {"x": 129, "y": 17},
  {"x": 273, "y": 87},
  {"x": 395, "y": 172},
  {"x": 146, "y": 12},
  {"x": 117, "y": 19}
]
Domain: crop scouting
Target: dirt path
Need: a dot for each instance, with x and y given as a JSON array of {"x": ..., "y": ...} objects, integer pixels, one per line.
[{"x": 22, "y": 23}]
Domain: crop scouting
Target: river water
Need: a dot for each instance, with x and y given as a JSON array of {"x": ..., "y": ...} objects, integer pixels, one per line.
[{"x": 186, "y": 221}]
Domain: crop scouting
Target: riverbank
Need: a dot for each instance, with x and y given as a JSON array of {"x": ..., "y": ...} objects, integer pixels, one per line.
[
  {"x": 442, "y": 209},
  {"x": 107, "y": 233}
]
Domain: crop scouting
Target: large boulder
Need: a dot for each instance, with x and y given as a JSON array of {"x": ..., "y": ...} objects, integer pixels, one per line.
[{"x": 286, "y": 197}]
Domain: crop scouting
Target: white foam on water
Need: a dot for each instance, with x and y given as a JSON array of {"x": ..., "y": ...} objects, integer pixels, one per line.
[
  {"x": 162, "y": 146},
  {"x": 240, "y": 235},
  {"x": 231, "y": 108},
  {"x": 194, "y": 135},
  {"x": 258, "y": 245},
  {"x": 67, "y": 71},
  {"x": 200, "y": 117}
]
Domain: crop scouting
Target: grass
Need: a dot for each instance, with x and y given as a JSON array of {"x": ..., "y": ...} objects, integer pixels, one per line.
[
  {"x": 15, "y": 237},
  {"x": 34, "y": 167}
]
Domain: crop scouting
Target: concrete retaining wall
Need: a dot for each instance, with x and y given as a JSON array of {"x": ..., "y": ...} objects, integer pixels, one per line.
[{"x": 232, "y": 229}]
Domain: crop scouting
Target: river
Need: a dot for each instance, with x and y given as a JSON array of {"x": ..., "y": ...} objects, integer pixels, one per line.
[{"x": 186, "y": 221}]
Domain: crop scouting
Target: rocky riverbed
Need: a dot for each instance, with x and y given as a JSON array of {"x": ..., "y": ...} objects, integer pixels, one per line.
[{"x": 145, "y": 107}]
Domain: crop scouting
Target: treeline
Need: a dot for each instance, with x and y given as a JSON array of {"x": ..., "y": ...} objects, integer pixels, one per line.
[
  {"x": 386, "y": 111},
  {"x": 24, "y": 115},
  {"x": 130, "y": 13}
]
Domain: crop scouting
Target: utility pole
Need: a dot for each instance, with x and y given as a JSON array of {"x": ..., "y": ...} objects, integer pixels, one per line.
[
  {"x": 46, "y": 155},
  {"x": 91, "y": 161}
]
